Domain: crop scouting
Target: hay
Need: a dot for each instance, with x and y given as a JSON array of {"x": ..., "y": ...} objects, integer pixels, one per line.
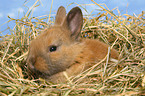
[{"x": 125, "y": 33}]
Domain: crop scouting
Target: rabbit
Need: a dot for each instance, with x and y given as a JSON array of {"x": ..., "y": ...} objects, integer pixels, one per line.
[{"x": 60, "y": 49}]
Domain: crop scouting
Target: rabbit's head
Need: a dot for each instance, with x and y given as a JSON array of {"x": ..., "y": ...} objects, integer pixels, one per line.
[{"x": 56, "y": 48}]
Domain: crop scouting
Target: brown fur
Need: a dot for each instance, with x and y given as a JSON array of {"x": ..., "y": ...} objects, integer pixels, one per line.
[{"x": 72, "y": 54}]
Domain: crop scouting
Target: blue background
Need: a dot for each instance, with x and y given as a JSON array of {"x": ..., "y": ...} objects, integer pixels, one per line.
[{"x": 17, "y": 9}]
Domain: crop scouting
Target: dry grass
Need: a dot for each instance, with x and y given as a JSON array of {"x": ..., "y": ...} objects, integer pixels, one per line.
[{"x": 125, "y": 33}]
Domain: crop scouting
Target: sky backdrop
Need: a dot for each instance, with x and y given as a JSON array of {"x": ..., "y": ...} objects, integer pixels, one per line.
[{"x": 17, "y": 9}]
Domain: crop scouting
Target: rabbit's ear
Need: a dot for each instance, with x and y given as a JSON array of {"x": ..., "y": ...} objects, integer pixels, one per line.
[
  {"x": 74, "y": 22},
  {"x": 60, "y": 16}
]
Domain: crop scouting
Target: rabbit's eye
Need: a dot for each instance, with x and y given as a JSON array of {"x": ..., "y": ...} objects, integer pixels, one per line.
[{"x": 52, "y": 48}]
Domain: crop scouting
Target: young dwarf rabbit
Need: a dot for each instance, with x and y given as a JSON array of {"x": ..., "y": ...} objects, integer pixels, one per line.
[{"x": 59, "y": 49}]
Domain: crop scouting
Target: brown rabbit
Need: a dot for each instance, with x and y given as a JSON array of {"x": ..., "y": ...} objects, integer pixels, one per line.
[{"x": 59, "y": 49}]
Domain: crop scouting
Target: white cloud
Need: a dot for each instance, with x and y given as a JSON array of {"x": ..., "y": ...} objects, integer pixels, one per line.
[
  {"x": 120, "y": 3},
  {"x": 14, "y": 12},
  {"x": 20, "y": 10},
  {"x": 90, "y": 8},
  {"x": 1, "y": 15},
  {"x": 84, "y": 12},
  {"x": 35, "y": 9},
  {"x": 12, "y": 15},
  {"x": 93, "y": 7}
]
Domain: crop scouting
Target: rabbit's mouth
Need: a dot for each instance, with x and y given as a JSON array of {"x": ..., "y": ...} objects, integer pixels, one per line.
[
  {"x": 34, "y": 73},
  {"x": 42, "y": 67},
  {"x": 37, "y": 66},
  {"x": 37, "y": 74}
]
